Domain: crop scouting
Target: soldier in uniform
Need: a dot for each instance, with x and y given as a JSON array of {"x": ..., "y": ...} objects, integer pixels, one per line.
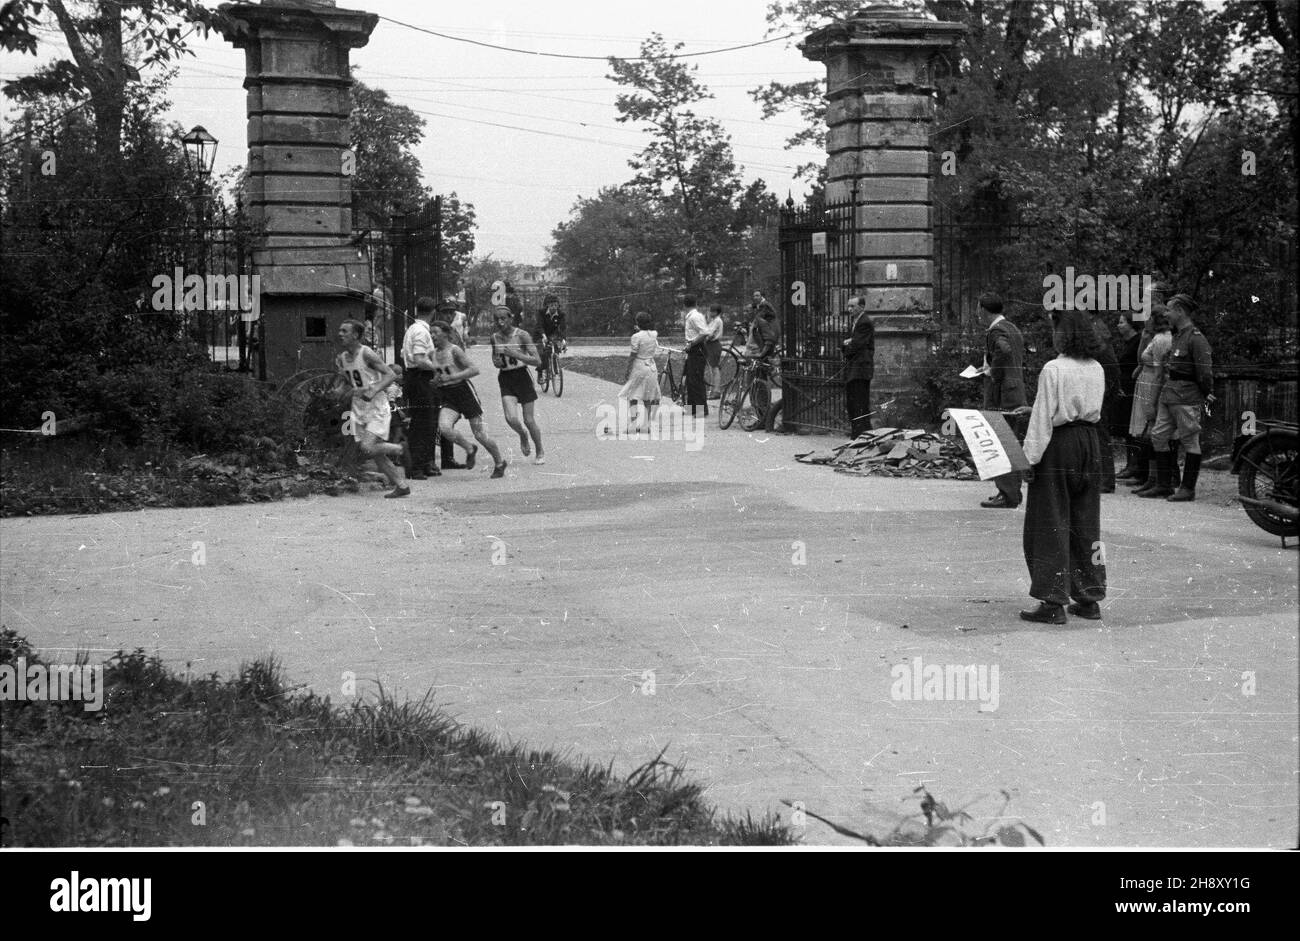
[{"x": 1189, "y": 386}]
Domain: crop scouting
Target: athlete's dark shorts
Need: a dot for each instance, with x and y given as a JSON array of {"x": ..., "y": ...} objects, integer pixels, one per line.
[
  {"x": 518, "y": 383},
  {"x": 460, "y": 398}
]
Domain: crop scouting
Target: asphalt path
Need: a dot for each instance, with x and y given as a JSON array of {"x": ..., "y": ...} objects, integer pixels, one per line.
[{"x": 758, "y": 620}]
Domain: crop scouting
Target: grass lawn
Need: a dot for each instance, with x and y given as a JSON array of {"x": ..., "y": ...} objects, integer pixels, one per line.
[{"x": 250, "y": 761}]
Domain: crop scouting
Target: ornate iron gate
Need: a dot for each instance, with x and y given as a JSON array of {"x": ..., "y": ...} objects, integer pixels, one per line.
[{"x": 816, "y": 267}]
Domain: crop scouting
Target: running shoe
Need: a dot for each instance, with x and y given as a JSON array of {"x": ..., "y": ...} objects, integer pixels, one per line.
[
  {"x": 499, "y": 470},
  {"x": 539, "y": 460},
  {"x": 470, "y": 458},
  {"x": 397, "y": 492}
]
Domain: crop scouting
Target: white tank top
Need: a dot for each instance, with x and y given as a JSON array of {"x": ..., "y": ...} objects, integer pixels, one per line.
[
  {"x": 360, "y": 375},
  {"x": 500, "y": 360}
]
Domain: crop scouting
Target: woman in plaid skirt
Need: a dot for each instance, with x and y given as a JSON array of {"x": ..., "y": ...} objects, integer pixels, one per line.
[{"x": 1156, "y": 339}]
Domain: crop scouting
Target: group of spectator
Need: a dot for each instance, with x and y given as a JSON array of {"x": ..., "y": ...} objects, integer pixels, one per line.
[{"x": 1148, "y": 394}]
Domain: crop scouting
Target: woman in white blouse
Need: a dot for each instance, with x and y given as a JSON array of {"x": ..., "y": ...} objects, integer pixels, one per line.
[
  {"x": 1062, "y": 538},
  {"x": 642, "y": 381}
]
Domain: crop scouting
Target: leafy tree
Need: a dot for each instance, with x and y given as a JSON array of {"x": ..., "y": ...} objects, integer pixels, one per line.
[
  {"x": 105, "y": 60},
  {"x": 686, "y": 174},
  {"x": 389, "y": 178}
]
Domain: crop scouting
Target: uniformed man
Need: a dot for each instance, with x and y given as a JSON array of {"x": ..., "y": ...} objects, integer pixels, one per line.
[{"x": 1189, "y": 386}]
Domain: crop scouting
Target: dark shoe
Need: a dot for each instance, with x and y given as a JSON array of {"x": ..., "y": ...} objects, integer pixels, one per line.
[
  {"x": 1137, "y": 483},
  {"x": 453, "y": 465},
  {"x": 1000, "y": 502},
  {"x": 1181, "y": 495},
  {"x": 417, "y": 476},
  {"x": 1128, "y": 473},
  {"x": 1110, "y": 489},
  {"x": 470, "y": 458},
  {"x": 434, "y": 472},
  {"x": 397, "y": 492},
  {"x": 1156, "y": 492},
  {"x": 1085, "y": 609},
  {"x": 1045, "y": 613},
  {"x": 500, "y": 470}
]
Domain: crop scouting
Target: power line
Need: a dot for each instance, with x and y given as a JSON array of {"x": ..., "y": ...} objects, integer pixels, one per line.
[{"x": 565, "y": 55}]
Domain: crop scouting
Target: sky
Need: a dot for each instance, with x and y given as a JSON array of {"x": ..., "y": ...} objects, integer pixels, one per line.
[{"x": 523, "y": 136}]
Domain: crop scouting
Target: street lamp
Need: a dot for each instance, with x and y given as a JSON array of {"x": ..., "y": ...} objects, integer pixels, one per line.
[
  {"x": 200, "y": 151},
  {"x": 200, "y": 155}
]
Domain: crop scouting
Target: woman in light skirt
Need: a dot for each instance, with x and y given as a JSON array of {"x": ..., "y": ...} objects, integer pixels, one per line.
[
  {"x": 1157, "y": 338},
  {"x": 642, "y": 381}
]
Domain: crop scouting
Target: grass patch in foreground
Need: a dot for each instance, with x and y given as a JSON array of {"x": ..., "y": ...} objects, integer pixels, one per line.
[{"x": 248, "y": 761}]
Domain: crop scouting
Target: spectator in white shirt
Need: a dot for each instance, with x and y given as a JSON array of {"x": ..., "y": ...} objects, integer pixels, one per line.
[
  {"x": 1062, "y": 538},
  {"x": 697, "y": 335}
]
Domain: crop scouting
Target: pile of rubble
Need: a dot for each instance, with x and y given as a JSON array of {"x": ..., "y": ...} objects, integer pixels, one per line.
[{"x": 898, "y": 452}]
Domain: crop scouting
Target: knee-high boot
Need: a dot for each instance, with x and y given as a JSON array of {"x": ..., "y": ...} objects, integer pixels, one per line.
[
  {"x": 1143, "y": 474},
  {"x": 1164, "y": 473},
  {"x": 1191, "y": 471}
]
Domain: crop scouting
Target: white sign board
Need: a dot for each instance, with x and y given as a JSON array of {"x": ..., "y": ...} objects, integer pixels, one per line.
[
  {"x": 819, "y": 243},
  {"x": 991, "y": 441}
]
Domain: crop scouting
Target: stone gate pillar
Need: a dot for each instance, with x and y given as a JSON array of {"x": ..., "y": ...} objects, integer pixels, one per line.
[
  {"x": 880, "y": 116},
  {"x": 299, "y": 189}
]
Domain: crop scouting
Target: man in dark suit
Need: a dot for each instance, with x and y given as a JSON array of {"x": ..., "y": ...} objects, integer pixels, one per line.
[
  {"x": 860, "y": 368},
  {"x": 1004, "y": 385}
]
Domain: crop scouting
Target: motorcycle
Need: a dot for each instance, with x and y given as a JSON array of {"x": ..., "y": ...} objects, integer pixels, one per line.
[{"x": 1267, "y": 465}]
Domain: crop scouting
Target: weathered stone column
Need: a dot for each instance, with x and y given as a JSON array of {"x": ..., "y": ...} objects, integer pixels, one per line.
[
  {"x": 299, "y": 186},
  {"x": 880, "y": 68}
]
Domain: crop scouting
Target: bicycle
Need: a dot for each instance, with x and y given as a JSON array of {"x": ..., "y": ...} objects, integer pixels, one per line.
[
  {"x": 673, "y": 390},
  {"x": 749, "y": 394},
  {"x": 553, "y": 376}
]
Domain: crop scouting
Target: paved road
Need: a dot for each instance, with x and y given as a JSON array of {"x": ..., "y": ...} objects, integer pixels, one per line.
[{"x": 768, "y": 601}]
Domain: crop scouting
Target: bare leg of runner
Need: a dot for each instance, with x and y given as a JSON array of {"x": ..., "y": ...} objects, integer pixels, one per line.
[
  {"x": 530, "y": 420},
  {"x": 381, "y": 453},
  {"x": 510, "y": 407}
]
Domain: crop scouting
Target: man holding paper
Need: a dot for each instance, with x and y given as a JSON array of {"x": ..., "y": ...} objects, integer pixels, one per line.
[{"x": 1004, "y": 385}]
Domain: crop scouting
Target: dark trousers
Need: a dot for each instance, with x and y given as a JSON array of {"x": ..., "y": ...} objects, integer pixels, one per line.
[
  {"x": 1009, "y": 484},
  {"x": 696, "y": 390},
  {"x": 1063, "y": 519},
  {"x": 857, "y": 399},
  {"x": 1107, "y": 448},
  {"x": 422, "y": 407}
]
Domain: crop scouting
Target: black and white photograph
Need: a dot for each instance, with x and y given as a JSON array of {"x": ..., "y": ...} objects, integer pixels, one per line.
[{"x": 773, "y": 424}]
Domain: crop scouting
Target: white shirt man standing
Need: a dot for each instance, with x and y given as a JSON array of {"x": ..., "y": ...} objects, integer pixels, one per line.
[{"x": 697, "y": 334}]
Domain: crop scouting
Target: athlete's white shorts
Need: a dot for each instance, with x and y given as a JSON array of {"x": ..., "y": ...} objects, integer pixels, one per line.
[{"x": 374, "y": 417}]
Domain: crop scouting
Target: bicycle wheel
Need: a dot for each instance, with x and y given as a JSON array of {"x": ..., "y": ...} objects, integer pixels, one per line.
[
  {"x": 1271, "y": 471},
  {"x": 557, "y": 381},
  {"x": 755, "y": 406},
  {"x": 728, "y": 403},
  {"x": 728, "y": 368}
]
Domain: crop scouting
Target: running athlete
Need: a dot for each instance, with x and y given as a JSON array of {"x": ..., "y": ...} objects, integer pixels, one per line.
[
  {"x": 512, "y": 353},
  {"x": 452, "y": 371},
  {"x": 370, "y": 377},
  {"x": 550, "y": 325}
]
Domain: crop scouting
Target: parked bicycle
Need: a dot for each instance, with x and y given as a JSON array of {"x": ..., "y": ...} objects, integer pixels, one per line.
[
  {"x": 669, "y": 386},
  {"x": 748, "y": 396}
]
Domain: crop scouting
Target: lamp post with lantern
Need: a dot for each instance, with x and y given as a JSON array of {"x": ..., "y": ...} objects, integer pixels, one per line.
[{"x": 200, "y": 155}]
